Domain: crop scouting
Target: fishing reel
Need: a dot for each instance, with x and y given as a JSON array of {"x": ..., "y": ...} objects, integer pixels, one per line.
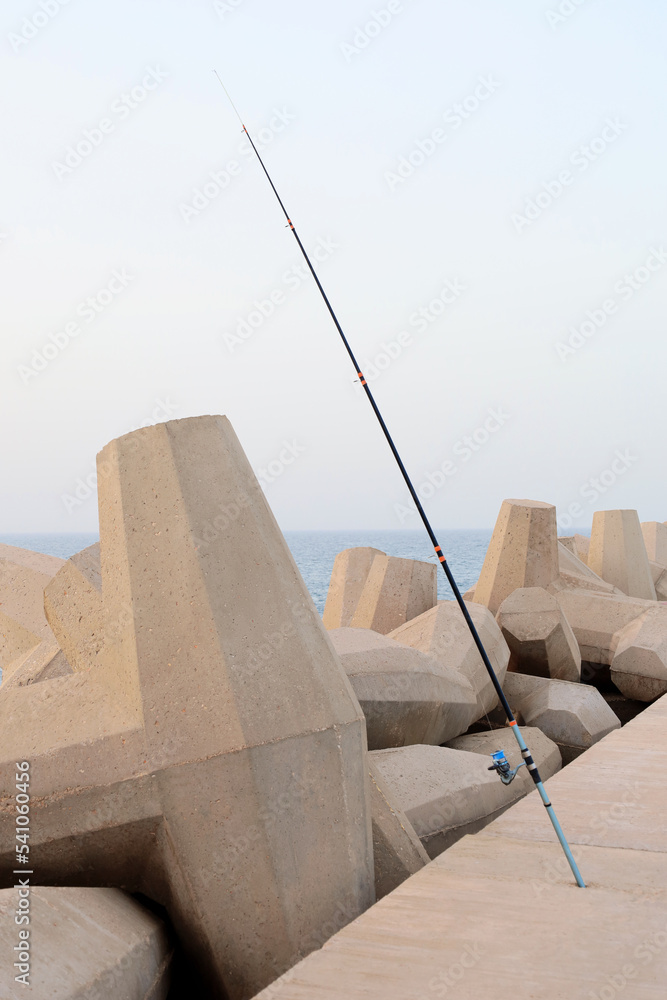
[{"x": 502, "y": 766}]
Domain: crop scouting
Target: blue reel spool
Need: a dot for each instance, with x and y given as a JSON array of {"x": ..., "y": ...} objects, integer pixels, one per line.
[{"x": 502, "y": 766}]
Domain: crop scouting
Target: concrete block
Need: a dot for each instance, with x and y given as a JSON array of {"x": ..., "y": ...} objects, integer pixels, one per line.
[
  {"x": 406, "y": 695},
  {"x": 575, "y": 716},
  {"x": 582, "y": 545},
  {"x": 568, "y": 542},
  {"x": 655, "y": 539},
  {"x": 397, "y": 850},
  {"x": 23, "y": 624},
  {"x": 539, "y": 637},
  {"x": 396, "y": 591},
  {"x": 443, "y": 634},
  {"x": 16, "y": 643},
  {"x": 447, "y": 793},
  {"x": 639, "y": 666},
  {"x": 659, "y": 576},
  {"x": 214, "y": 758},
  {"x": 350, "y": 572},
  {"x": 36, "y": 561},
  {"x": 544, "y": 751},
  {"x": 523, "y": 552},
  {"x": 618, "y": 553},
  {"x": 595, "y": 619},
  {"x": 74, "y": 608},
  {"x": 575, "y": 574},
  {"x": 83, "y": 944},
  {"x": 41, "y": 663},
  {"x": 577, "y": 544}
]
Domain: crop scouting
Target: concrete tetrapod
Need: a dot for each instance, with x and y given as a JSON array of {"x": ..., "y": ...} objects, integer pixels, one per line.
[
  {"x": 39, "y": 562},
  {"x": 215, "y": 756},
  {"x": 639, "y": 666},
  {"x": 41, "y": 663},
  {"x": 406, "y": 696},
  {"x": 23, "y": 625},
  {"x": 539, "y": 637},
  {"x": 655, "y": 539},
  {"x": 576, "y": 575},
  {"x": 350, "y": 572},
  {"x": 595, "y": 618},
  {"x": 84, "y": 944},
  {"x": 618, "y": 554},
  {"x": 523, "y": 552},
  {"x": 396, "y": 590},
  {"x": 659, "y": 575},
  {"x": 543, "y": 750},
  {"x": 578, "y": 545},
  {"x": 575, "y": 716},
  {"x": 74, "y": 607},
  {"x": 397, "y": 850},
  {"x": 447, "y": 793},
  {"x": 443, "y": 634}
]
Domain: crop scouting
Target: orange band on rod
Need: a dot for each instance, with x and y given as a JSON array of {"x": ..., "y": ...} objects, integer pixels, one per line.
[
  {"x": 442, "y": 559},
  {"x": 438, "y": 549},
  {"x": 513, "y": 722}
]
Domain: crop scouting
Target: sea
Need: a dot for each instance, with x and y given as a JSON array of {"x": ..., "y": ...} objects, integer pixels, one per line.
[{"x": 314, "y": 552}]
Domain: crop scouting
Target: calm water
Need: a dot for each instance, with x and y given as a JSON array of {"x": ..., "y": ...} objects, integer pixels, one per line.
[{"x": 314, "y": 552}]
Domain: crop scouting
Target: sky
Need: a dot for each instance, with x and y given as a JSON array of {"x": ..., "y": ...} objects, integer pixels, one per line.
[{"x": 481, "y": 186}]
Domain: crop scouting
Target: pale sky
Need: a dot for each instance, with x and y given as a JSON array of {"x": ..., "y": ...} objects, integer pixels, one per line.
[{"x": 483, "y": 185}]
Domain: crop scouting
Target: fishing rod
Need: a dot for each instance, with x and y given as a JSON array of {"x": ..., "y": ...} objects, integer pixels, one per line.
[{"x": 500, "y": 763}]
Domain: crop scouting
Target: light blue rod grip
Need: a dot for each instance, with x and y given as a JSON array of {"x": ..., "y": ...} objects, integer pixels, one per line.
[{"x": 552, "y": 815}]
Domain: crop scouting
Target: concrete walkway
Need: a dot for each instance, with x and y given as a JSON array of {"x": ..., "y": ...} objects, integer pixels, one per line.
[{"x": 498, "y": 916}]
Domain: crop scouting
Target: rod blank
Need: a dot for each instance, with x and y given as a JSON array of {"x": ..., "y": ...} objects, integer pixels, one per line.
[{"x": 532, "y": 767}]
